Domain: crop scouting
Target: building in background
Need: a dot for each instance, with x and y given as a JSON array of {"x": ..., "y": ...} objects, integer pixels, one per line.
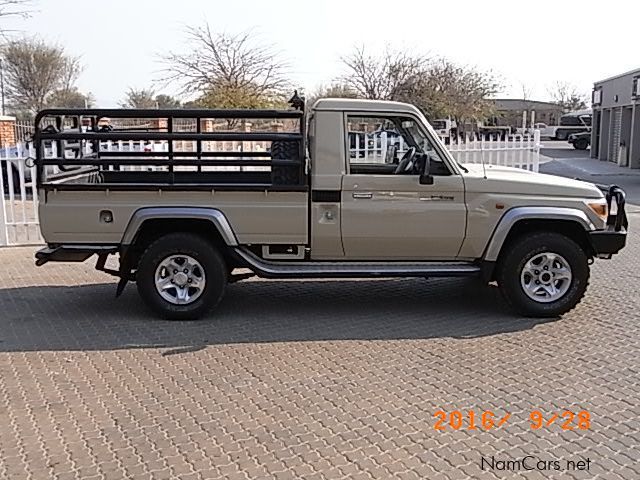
[
  {"x": 7, "y": 131},
  {"x": 509, "y": 112},
  {"x": 615, "y": 136}
]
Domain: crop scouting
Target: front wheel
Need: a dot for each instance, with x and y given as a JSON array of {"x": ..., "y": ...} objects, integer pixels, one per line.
[
  {"x": 181, "y": 276},
  {"x": 543, "y": 275}
]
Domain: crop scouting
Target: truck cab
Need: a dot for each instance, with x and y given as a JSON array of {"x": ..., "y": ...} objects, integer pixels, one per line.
[
  {"x": 570, "y": 123},
  {"x": 354, "y": 188},
  {"x": 380, "y": 209}
]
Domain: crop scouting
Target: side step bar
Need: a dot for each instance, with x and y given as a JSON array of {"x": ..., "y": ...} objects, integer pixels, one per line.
[{"x": 268, "y": 269}]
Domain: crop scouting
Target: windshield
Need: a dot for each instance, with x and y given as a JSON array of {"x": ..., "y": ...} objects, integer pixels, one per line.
[{"x": 422, "y": 142}]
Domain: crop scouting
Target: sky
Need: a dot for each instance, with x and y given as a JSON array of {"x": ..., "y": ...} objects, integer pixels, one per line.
[{"x": 533, "y": 43}]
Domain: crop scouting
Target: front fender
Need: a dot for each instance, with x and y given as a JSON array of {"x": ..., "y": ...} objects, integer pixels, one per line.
[{"x": 513, "y": 216}]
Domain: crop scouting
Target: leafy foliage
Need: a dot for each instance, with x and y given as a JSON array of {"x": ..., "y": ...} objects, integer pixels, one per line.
[
  {"x": 70, "y": 98},
  {"x": 382, "y": 77},
  {"x": 147, "y": 98},
  {"x": 228, "y": 96},
  {"x": 455, "y": 91},
  {"x": 439, "y": 87},
  {"x": 227, "y": 71},
  {"x": 35, "y": 70},
  {"x": 167, "y": 101},
  {"x": 335, "y": 90},
  {"x": 139, "y": 98},
  {"x": 568, "y": 96}
]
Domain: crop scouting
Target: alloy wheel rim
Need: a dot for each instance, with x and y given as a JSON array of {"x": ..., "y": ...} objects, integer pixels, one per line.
[
  {"x": 546, "y": 277},
  {"x": 180, "y": 279}
]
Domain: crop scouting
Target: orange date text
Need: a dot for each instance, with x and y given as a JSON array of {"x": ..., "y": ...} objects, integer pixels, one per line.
[{"x": 489, "y": 420}]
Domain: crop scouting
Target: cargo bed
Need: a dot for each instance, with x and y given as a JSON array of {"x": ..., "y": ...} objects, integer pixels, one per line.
[{"x": 175, "y": 149}]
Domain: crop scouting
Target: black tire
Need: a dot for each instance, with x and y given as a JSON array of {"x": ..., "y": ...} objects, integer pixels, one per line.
[
  {"x": 560, "y": 135},
  {"x": 581, "y": 144},
  {"x": 521, "y": 250},
  {"x": 198, "y": 248},
  {"x": 285, "y": 174}
]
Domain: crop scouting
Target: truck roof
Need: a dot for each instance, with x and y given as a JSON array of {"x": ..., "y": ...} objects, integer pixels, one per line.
[{"x": 354, "y": 104}]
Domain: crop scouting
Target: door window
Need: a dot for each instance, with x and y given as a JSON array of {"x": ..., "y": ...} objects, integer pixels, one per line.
[{"x": 377, "y": 144}]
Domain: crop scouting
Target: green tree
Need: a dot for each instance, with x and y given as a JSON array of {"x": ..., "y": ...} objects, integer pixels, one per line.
[
  {"x": 335, "y": 90},
  {"x": 34, "y": 70},
  {"x": 147, "y": 98},
  {"x": 139, "y": 98},
  {"x": 233, "y": 97},
  {"x": 456, "y": 91},
  {"x": 167, "y": 101},
  {"x": 227, "y": 71},
  {"x": 70, "y": 98},
  {"x": 228, "y": 96},
  {"x": 439, "y": 87},
  {"x": 381, "y": 77},
  {"x": 568, "y": 96}
]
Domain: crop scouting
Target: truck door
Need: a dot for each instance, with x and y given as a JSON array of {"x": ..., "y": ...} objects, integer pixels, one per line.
[{"x": 392, "y": 216}]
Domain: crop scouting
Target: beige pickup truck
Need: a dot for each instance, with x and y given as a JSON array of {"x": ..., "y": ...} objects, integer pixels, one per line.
[{"x": 343, "y": 189}]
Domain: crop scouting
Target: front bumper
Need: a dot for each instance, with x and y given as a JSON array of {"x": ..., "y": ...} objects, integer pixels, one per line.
[
  {"x": 607, "y": 242},
  {"x": 612, "y": 239}
]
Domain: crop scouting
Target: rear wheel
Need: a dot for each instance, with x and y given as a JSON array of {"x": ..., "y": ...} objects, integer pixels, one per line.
[
  {"x": 560, "y": 135},
  {"x": 181, "y": 276},
  {"x": 543, "y": 275},
  {"x": 581, "y": 144}
]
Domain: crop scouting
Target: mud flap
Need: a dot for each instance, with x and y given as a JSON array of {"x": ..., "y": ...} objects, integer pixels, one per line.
[{"x": 121, "y": 284}]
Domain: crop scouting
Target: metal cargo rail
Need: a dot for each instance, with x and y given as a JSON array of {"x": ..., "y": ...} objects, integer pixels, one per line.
[{"x": 75, "y": 150}]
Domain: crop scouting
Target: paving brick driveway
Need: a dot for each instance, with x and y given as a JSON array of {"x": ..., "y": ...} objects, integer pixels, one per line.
[{"x": 310, "y": 379}]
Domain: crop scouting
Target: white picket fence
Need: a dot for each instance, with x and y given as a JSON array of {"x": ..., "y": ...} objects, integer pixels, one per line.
[
  {"x": 519, "y": 151},
  {"x": 19, "y": 202}
]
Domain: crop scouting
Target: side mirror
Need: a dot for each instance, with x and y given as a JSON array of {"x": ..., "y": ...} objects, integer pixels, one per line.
[{"x": 425, "y": 177}]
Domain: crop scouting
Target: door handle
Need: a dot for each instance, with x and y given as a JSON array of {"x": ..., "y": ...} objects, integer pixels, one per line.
[
  {"x": 362, "y": 195},
  {"x": 432, "y": 198}
]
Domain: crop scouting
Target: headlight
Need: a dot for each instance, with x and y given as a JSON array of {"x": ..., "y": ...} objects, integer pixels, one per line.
[{"x": 599, "y": 208}]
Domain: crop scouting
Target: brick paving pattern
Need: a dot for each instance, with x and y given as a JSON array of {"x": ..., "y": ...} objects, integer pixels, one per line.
[{"x": 310, "y": 379}]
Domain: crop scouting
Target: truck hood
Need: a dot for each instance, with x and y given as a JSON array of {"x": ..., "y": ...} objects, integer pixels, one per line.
[{"x": 519, "y": 181}]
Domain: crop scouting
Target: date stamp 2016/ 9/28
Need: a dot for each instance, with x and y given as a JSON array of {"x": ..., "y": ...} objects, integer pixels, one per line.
[{"x": 488, "y": 420}]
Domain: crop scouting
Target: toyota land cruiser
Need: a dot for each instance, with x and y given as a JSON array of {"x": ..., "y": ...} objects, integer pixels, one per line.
[{"x": 294, "y": 199}]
